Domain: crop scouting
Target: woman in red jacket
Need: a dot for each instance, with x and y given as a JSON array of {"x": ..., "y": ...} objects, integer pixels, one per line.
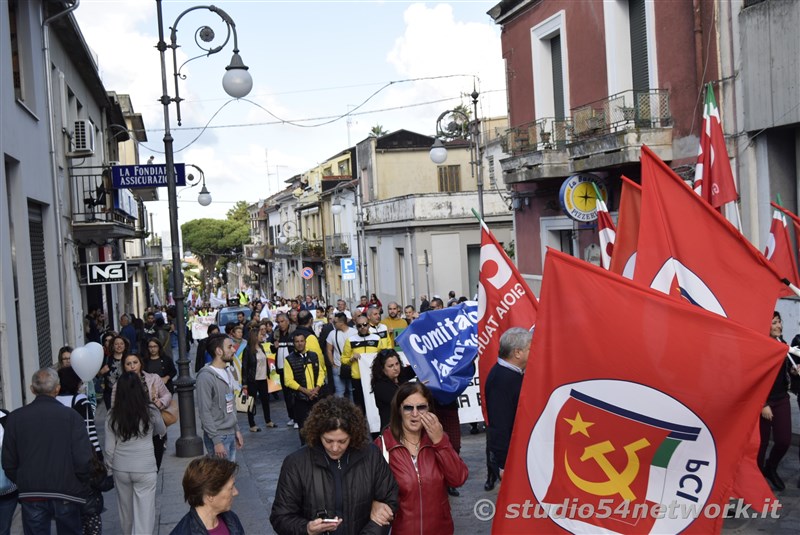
[{"x": 423, "y": 462}]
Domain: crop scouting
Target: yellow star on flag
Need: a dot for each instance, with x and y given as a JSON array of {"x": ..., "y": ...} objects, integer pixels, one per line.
[{"x": 578, "y": 425}]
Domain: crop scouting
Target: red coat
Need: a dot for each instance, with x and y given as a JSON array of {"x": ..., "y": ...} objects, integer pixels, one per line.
[{"x": 424, "y": 503}]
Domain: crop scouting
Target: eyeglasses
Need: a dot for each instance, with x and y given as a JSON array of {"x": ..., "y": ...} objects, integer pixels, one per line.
[
  {"x": 362, "y": 325},
  {"x": 410, "y": 408}
]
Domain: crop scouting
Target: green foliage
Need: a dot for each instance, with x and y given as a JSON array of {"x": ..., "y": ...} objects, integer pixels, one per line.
[
  {"x": 238, "y": 212},
  {"x": 378, "y": 130},
  {"x": 216, "y": 241}
]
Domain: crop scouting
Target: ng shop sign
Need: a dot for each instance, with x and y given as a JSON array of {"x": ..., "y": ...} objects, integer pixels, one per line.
[{"x": 107, "y": 272}]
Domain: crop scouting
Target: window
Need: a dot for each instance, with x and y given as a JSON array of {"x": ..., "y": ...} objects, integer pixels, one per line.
[
  {"x": 344, "y": 168},
  {"x": 550, "y": 67},
  {"x": 449, "y": 178},
  {"x": 21, "y": 49}
]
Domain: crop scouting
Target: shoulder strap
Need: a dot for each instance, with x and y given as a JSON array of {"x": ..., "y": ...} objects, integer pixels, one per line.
[{"x": 319, "y": 491}]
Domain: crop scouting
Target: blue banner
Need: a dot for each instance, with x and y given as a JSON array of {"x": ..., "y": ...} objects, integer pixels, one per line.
[
  {"x": 441, "y": 346},
  {"x": 145, "y": 176}
]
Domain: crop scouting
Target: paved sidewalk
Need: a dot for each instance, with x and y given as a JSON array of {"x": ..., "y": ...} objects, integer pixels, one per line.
[{"x": 263, "y": 453}]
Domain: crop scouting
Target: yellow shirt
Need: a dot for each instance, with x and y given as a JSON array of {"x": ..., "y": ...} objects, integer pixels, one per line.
[
  {"x": 392, "y": 324},
  {"x": 308, "y": 369},
  {"x": 356, "y": 344}
]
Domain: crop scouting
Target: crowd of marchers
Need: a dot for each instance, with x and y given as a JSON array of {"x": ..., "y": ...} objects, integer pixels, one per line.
[{"x": 299, "y": 352}]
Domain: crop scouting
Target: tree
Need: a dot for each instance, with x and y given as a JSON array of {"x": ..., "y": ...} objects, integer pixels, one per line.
[
  {"x": 239, "y": 213},
  {"x": 378, "y": 131},
  {"x": 217, "y": 241}
]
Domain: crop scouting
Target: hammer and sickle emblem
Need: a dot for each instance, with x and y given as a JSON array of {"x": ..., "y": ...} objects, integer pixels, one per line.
[{"x": 617, "y": 482}]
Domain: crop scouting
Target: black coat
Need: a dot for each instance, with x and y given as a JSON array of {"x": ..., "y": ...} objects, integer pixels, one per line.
[
  {"x": 191, "y": 524},
  {"x": 46, "y": 451},
  {"x": 502, "y": 388},
  {"x": 365, "y": 477}
]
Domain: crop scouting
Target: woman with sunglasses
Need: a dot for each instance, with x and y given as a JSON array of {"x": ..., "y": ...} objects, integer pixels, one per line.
[{"x": 423, "y": 462}]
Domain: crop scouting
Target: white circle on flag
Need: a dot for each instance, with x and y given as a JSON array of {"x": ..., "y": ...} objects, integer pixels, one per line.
[{"x": 682, "y": 468}]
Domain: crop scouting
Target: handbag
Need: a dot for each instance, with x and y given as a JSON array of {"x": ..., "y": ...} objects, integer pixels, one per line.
[
  {"x": 244, "y": 403},
  {"x": 170, "y": 413}
]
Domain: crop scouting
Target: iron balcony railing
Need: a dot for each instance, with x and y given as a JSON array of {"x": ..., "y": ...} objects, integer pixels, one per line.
[
  {"x": 622, "y": 111},
  {"x": 95, "y": 201},
  {"x": 338, "y": 245}
]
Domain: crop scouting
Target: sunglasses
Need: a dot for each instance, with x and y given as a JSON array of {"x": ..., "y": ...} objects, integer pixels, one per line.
[
  {"x": 410, "y": 408},
  {"x": 362, "y": 325}
]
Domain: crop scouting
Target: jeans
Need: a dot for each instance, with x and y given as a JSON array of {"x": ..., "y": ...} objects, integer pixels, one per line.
[
  {"x": 338, "y": 382},
  {"x": 8, "y": 503},
  {"x": 229, "y": 441},
  {"x": 36, "y": 517}
]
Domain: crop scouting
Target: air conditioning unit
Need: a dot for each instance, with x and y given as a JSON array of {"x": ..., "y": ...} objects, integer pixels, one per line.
[{"x": 82, "y": 139}]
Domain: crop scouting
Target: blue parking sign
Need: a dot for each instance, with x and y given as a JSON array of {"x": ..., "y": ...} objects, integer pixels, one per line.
[{"x": 349, "y": 268}]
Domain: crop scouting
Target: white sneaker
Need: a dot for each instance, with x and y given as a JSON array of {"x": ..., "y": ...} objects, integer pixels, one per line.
[
  {"x": 290, "y": 423},
  {"x": 296, "y": 426}
]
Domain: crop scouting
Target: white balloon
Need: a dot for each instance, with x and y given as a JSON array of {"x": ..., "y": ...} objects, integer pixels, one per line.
[
  {"x": 87, "y": 360},
  {"x": 96, "y": 350}
]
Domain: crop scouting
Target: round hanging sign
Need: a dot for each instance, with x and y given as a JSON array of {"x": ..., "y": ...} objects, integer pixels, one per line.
[{"x": 578, "y": 198}]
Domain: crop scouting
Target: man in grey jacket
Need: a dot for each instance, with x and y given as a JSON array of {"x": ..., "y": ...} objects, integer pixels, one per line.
[{"x": 216, "y": 400}]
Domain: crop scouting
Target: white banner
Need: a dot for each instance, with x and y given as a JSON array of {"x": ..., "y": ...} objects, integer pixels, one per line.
[{"x": 200, "y": 326}]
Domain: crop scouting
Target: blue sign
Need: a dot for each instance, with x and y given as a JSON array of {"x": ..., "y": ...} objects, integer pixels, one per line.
[
  {"x": 441, "y": 346},
  {"x": 349, "y": 268},
  {"x": 145, "y": 176}
]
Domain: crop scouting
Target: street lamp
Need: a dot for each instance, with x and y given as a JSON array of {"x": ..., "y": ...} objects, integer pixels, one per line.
[
  {"x": 204, "y": 198},
  {"x": 459, "y": 126},
  {"x": 237, "y": 82}
]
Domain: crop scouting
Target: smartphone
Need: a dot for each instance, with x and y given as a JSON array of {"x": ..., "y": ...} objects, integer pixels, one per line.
[{"x": 329, "y": 520}]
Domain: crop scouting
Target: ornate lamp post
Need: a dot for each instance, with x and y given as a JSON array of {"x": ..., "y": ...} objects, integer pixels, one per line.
[
  {"x": 455, "y": 124},
  {"x": 237, "y": 82}
]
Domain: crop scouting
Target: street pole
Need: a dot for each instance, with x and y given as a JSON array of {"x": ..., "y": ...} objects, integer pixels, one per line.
[
  {"x": 237, "y": 82},
  {"x": 189, "y": 444},
  {"x": 476, "y": 140}
]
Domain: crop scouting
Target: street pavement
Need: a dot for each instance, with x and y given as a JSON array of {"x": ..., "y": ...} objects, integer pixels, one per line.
[{"x": 260, "y": 461}]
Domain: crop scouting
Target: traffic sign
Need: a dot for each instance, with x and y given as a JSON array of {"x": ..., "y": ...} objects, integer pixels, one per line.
[
  {"x": 349, "y": 268},
  {"x": 307, "y": 273}
]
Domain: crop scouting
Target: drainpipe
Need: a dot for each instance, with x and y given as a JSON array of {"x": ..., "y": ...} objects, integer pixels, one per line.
[
  {"x": 698, "y": 43},
  {"x": 66, "y": 325}
]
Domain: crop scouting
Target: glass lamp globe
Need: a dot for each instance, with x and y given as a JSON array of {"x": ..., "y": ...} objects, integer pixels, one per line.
[
  {"x": 204, "y": 198},
  {"x": 237, "y": 82},
  {"x": 337, "y": 209},
  {"x": 438, "y": 152}
]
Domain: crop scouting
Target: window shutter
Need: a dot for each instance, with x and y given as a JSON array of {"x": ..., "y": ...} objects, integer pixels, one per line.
[
  {"x": 41, "y": 296},
  {"x": 558, "y": 77},
  {"x": 639, "y": 65}
]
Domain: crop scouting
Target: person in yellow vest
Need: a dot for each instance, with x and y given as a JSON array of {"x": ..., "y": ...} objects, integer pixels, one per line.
[
  {"x": 304, "y": 374},
  {"x": 393, "y": 321},
  {"x": 361, "y": 343}
]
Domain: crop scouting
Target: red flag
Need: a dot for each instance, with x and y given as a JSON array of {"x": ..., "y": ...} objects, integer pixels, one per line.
[
  {"x": 690, "y": 251},
  {"x": 779, "y": 250},
  {"x": 630, "y": 207},
  {"x": 713, "y": 179},
  {"x": 795, "y": 222},
  {"x": 635, "y": 419},
  {"x": 606, "y": 231},
  {"x": 504, "y": 301}
]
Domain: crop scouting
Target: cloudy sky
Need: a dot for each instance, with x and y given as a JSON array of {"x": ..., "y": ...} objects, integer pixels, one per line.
[{"x": 311, "y": 62}]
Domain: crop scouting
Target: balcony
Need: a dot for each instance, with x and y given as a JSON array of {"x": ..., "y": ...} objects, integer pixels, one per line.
[
  {"x": 338, "y": 245},
  {"x": 312, "y": 250},
  {"x": 432, "y": 209},
  {"x": 598, "y": 135},
  {"x": 259, "y": 252},
  {"x": 100, "y": 213}
]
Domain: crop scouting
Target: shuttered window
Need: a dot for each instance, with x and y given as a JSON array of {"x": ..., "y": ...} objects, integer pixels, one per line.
[
  {"x": 558, "y": 77},
  {"x": 449, "y": 178},
  {"x": 638, "y": 25},
  {"x": 41, "y": 298}
]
